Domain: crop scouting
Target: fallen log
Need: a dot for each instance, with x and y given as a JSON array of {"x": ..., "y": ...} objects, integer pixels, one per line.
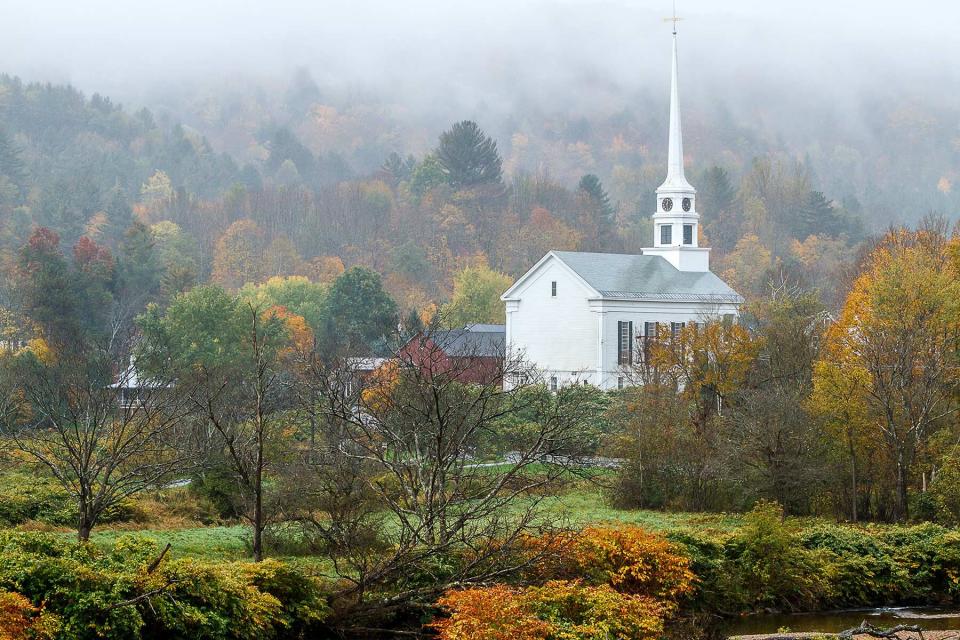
[{"x": 866, "y": 629}]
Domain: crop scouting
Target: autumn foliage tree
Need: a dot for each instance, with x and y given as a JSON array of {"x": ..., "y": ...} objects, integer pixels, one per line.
[
  {"x": 594, "y": 584},
  {"x": 233, "y": 360},
  {"x": 239, "y": 256},
  {"x": 476, "y": 297},
  {"x": 892, "y": 355}
]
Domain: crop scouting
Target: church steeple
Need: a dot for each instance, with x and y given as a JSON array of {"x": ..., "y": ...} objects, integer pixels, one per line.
[
  {"x": 676, "y": 222},
  {"x": 675, "y": 178}
]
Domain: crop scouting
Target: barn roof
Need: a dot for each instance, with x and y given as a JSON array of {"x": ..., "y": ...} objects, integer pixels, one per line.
[{"x": 473, "y": 340}]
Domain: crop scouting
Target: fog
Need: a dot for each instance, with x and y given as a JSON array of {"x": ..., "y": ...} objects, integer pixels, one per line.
[{"x": 492, "y": 53}]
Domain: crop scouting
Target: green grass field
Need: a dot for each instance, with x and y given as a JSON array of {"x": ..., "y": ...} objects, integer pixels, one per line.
[
  {"x": 579, "y": 507},
  {"x": 211, "y": 543}
]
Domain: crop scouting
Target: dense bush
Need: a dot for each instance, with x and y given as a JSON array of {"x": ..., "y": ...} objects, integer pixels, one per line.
[
  {"x": 599, "y": 583},
  {"x": 25, "y": 497},
  {"x": 628, "y": 558},
  {"x": 557, "y": 610},
  {"x": 86, "y": 593},
  {"x": 770, "y": 563}
]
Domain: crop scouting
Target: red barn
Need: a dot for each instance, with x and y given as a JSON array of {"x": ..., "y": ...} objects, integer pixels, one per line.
[{"x": 473, "y": 354}]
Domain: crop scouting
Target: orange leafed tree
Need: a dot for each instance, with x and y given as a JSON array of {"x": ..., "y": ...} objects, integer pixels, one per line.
[
  {"x": 598, "y": 583},
  {"x": 21, "y": 620}
]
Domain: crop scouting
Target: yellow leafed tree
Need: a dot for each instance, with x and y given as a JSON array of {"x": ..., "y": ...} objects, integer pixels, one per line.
[{"x": 889, "y": 366}]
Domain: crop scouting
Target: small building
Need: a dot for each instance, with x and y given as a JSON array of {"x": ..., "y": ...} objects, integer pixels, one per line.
[
  {"x": 360, "y": 370},
  {"x": 133, "y": 391},
  {"x": 472, "y": 354}
]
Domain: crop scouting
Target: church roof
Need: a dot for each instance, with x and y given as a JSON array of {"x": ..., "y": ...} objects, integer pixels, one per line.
[{"x": 640, "y": 277}]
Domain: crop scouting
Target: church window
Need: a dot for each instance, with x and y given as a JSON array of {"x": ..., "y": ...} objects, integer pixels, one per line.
[
  {"x": 553, "y": 383},
  {"x": 649, "y": 336},
  {"x": 553, "y": 289},
  {"x": 619, "y": 382},
  {"x": 666, "y": 234},
  {"x": 675, "y": 328},
  {"x": 624, "y": 342},
  {"x": 688, "y": 234}
]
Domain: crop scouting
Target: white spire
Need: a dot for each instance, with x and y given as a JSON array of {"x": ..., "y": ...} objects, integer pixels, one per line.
[{"x": 675, "y": 178}]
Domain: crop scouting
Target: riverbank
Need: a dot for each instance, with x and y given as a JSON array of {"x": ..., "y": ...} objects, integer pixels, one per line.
[{"x": 944, "y": 634}]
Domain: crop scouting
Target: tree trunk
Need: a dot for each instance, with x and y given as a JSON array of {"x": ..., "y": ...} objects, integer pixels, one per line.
[
  {"x": 853, "y": 477},
  {"x": 903, "y": 509},
  {"x": 83, "y": 515},
  {"x": 258, "y": 506}
]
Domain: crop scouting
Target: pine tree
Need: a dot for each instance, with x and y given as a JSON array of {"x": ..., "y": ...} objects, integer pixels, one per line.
[
  {"x": 817, "y": 216},
  {"x": 596, "y": 214},
  {"x": 716, "y": 203},
  {"x": 468, "y": 157},
  {"x": 715, "y": 194},
  {"x": 138, "y": 267},
  {"x": 11, "y": 164}
]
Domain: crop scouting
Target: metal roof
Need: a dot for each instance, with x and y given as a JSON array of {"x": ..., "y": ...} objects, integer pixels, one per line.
[
  {"x": 472, "y": 341},
  {"x": 640, "y": 277}
]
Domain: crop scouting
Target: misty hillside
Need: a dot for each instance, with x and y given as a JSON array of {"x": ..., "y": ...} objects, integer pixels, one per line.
[{"x": 303, "y": 173}]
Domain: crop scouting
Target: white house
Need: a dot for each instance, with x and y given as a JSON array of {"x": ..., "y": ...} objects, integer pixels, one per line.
[{"x": 578, "y": 317}]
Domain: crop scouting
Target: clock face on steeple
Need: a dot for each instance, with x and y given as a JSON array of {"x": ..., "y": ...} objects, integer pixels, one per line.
[
  {"x": 666, "y": 204},
  {"x": 686, "y": 204}
]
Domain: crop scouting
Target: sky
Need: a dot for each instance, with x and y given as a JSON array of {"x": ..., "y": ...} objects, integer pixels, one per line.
[{"x": 487, "y": 50}]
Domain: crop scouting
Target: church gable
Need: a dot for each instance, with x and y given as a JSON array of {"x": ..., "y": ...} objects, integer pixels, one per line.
[{"x": 550, "y": 276}]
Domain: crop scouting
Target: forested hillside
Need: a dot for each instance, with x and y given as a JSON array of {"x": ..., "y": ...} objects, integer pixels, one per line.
[{"x": 281, "y": 183}]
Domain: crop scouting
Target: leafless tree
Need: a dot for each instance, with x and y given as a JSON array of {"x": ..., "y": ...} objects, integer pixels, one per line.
[
  {"x": 104, "y": 433},
  {"x": 401, "y": 497}
]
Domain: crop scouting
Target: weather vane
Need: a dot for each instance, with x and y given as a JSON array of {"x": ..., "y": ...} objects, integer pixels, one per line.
[{"x": 675, "y": 19}]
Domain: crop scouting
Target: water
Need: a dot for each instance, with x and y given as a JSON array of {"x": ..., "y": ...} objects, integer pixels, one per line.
[{"x": 929, "y": 618}]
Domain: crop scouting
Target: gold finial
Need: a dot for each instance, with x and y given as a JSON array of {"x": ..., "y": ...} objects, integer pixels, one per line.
[{"x": 675, "y": 19}]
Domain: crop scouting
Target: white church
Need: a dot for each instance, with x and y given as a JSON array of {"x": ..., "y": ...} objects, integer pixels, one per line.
[{"x": 581, "y": 317}]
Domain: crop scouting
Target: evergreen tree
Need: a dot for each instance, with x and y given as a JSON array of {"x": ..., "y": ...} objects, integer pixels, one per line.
[
  {"x": 285, "y": 146},
  {"x": 46, "y": 290},
  {"x": 818, "y": 216},
  {"x": 139, "y": 269},
  {"x": 596, "y": 214},
  {"x": 394, "y": 169},
  {"x": 119, "y": 214},
  {"x": 468, "y": 157},
  {"x": 11, "y": 164},
  {"x": 715, "y": 193},
  {"x": 303, "y": 92},
  {"x": 412, "y": 324}
]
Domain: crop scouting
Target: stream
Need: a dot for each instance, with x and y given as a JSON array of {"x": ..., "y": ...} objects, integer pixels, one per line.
[{"x": 929, "y": 618}]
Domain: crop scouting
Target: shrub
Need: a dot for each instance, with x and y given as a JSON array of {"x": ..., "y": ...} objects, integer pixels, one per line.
[
  {"x": 21, "y": 620},
  {"x": 558, "y": 610},
  {"x": 598, "y": 583},
  {"x": 96, "y": 594},
  {"x": 768, "y": 567},
  {"x": 492, "y": 613},
  {"x": 628, "y": 558},
  {"x": 25, "y": 497}
]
